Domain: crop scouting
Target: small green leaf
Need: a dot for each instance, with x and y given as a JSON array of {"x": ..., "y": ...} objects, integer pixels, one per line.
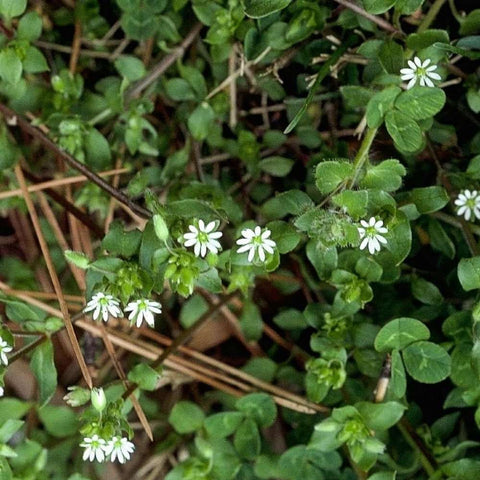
[
  {"x": 120, "y": 242},
  {"x": 262, "y": 8},
  {"x": 251, "y": 321},
  {"x": 378, "y": 6},
  {"x": 258, "y": 406},
  {"x": 380, "y": 416},
  {"x": 34, "y": 61},
  {"x": 97, "y": 150},
  {"x": 10, "y": 66},
  {"x": 179, "y": 90},
  {"x": 353, "y": 201},
  {"x": 192, "y": 310},
  {"x": 426, "y": 292},
  {"x": 290, "y": 319},
  {"x": 380, "y": 104},
  {"x": 12, "y": 8},
  {"x": 404, "y": 131},
  {"x": 79, "y": 259},
  {"x": 427, "y": 362},
  {"x": 285, "y": 235},
  {"x": 43, "y": 367},
  {"x": 383, "y": 476},
  {"x": 291, "y": 202},
  {"x": 398, "y": 381},
  {"x": 469, "y": 273},
  {"x": 419, "y": 41},
  {"x": 247, "y": 439},
  {"x": 9, "y": 428},
  {"x": 471, "y": 23},
  {"x": 330, "y": 174},
  {"x": 387, "y": 175},
  {"x": 420, "y": 102},
  {"x": 399, "y": 333},
  {"x": 130, "y": 67},
  {"x": 429, "y": 199},
  {"x": 390, "y": 56},
  {"x": 186, "y": 417},
  {"x": 145, "y": 376},
  {"x": 201, "y": 120},
  {"x": 29, "y": 27},
  {"x": 276, "y": 166},
  {"x": 439, "y": 239},
  {"x": 59, "y": 421},
  {"x": 221, "y": 425}
]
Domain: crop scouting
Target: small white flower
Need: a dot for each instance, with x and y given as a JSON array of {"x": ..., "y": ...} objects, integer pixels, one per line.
[
  {"x": 143, "y": 309},
  {"x": 256, "y": 241},
  {"x": 202, "y": 238},
  {"x": 4, "y": 349},
  {"x": 119, "y": 448},
  {"x": 370, "y": 232},
  {"x": 105, "y": 305},
  {"x": 1, "y": 392},
  {"x": 468, "y": 203},
  {"x": 95, "y": 448},
  {"x": 419, "y": 71}
]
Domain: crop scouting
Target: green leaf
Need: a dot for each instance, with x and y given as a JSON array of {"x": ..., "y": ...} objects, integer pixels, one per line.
[
  {"x": 221, "y": 425},
  {"x": 404, "y": 131},
  {"x": 247, "y": 439},
  {"x": 179, "y": 90},
  {"x": 285, "y": 236},
  {"x": 398, "y": 381},
  {"x": 145, "y": 376},
  {"x": 186, "y": 417},
  {"x": 353, "y": 201},
  {"x": 291, "y": 202},
  {"x": 439, "y": 239},
  {"x": 276, "y": 166},
  {"x": 419, "y": 41},
  {"x": 290, "y": 319},
  {"x": 399, "y": 333},
  {"x": 251, "y": 321},
  {"x": 427, "y": 362},
  {"x": 190, "y": 208},
  {"x": 323, "y": 260},
  {"x": 11, "y": 408},
  {"x": 43, "y": 367},
  {"x": 408, "y": 6},
  {"x": 471, "y": 23},
  {"x": 387, "y": 175},
  {"x": 79, "y": 259},
  {"x": 29, "y": 27},
  {"x": 464, "y": 52},
  {"x": 200, "y": 121},
  {"x": 390, "y": 56},
  {"x": 399, "y": 238},
  {"x": 59, "y": 421},
  {"x": 383, "y": 476},
  {"x": 260, "y": 407},
  {"x": 12, "y": 8},
  {"x": 429, "y": 199},
  {"x": 120, "y": 242},
  {"x": 8, "y": 429},
  {"x": 262, "y": 8},
  {"x": 34, "y": 61},
  {"x": 97, "y": 150},
  {"x": 378, "y": 6},
  {"x": 10, "y": 152},
  {"x": 380, "y": 104},
  {"x": 10, "y": 66},
  {"x": 130, "y": 67},
  {"x": 192, "y": 310},
  {"x": 426, "y": 292},
  {"x": 380, "y": 416},
  {"x": 468, "y": 271},
  {"x": 330, "y": 174},
  {"x": 421, "y": 102}
]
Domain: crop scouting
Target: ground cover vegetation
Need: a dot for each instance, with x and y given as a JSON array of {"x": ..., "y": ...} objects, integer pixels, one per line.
[{"x": 239, "y": 239}]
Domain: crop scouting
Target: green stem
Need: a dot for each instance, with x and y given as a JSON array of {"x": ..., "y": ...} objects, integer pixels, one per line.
[
  {"x": 100, "y": 116},
  {"x": 427, "y": 466},
  {"x": 430, "y": 16},
  {"x": 454, "y": 11},
  {"x": 362, "y": 154}
]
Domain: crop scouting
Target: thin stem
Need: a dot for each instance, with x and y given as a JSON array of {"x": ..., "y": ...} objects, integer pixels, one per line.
[
  {"x": 362, "y": 154},
  {"x": 27, "y": 348},
  {"x": 454, "y": 11},
  {"x": 430, "y": 15}
]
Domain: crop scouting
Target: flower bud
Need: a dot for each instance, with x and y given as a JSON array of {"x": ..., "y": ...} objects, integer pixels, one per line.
[
  {"x": 161, "y": 229},
  {"x": 99, "y": 401},
  {"x": 78, "y": 396}
]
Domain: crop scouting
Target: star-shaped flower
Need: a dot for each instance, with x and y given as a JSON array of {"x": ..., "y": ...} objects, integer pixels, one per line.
[
  {"x": 203, "y": 238},
  {"x": 256, "y": 241},
  {"x": 94, "y": 448},
  {"x": 4, "y": 349},
  {"x": 419, "y": 71},
  {"x": 371, "y": 233},
  {"x": 143, "y": 309},
  {"x": 105, "y": 305},
  {"x": 468, "y": 203},
  {"x": 119, "y": 448}
]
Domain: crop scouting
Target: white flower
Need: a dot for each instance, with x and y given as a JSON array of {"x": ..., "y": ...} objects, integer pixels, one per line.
[
  {"x": 370, "y": 232},
  {"x": 143, "y": 309},
  {"x": 202, "y": 238},
  {"x": 105, "y": 305},
  {"x": 1, "y": 392},
  {"x": 256, "y": 241},
  {"x": 119, "y": 448},
  {"x": 4, "y": 349},
  {"x": 468, "y": 203},
  {"x": 421, "y": 71},
  {"x": 95, "y": 448}
]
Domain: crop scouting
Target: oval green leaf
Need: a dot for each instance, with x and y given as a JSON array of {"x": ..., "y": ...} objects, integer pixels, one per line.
[
  {"x": 427, "y": 362},
  {"x": 399, "y": 333}
]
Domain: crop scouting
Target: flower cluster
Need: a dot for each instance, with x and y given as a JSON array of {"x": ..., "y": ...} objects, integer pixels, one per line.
[
  {"x": 204, "y": 237},
  {"x": 420, "y": 71},
  {"x": 371, "y": 233},
  {"x": 468, "y": 203},
  {"x": 107, "y": 305},
  {"x": 97, "y": 448},
  {"x": 4, "y": 349}
]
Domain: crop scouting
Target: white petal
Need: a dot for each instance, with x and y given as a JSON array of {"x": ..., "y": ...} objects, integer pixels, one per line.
[
  {"x": 428, "y": 82},
  {"x": 203, "y": 250},
  {"x": 417, "y": 61},
  {"x": 251, "y": 253},
  {"x": 209, "y": 227},
  {"x": 261, "y": 253},
  {"x": 407, "y": 76},
  {"x": 426, "y": 63},
  {"x": 412, "y": 65},
  {"x": 245, "y": 248},
  {"x": 190, "y": 242},
  {"x": 244, "y": 241},
  {"x": 196, "y": 249},
  {"x": 411, "y": 83},
  {"x": 364, "y": 243},
  {"x": 381, "y": 239},
  {"x": 248, "y": 233},
  {"x": 434, "y": 75},
  {"x": 201, "y": 225},
  {"x": 215, "y": 235},
  {"x": 193, "y": 229}
]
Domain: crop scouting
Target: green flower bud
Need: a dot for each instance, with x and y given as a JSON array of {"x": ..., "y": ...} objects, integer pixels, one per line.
[
  {"x": 99, "y": 401},
  {"x": 161, "y": 229},
  {"x": 78, "y": 396}
]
